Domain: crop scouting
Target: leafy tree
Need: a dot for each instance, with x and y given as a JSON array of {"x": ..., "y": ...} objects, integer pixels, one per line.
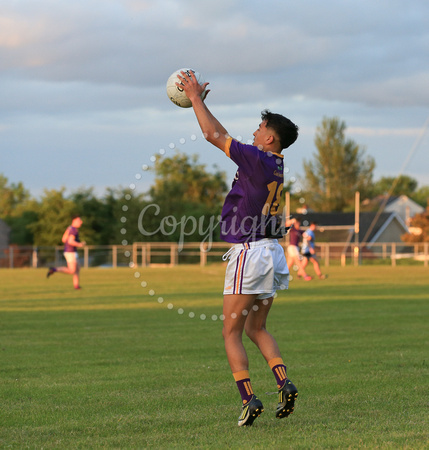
[
  {"x": 11, "y": 196},
  {"x": 419, "y": 221},
  {"x": 181, "y": 178},
  {"x": 20, "y": 226},
  {"x": 421, "y": 196},
  {"x": 402, "y": 185},
  {"x": 54, "y": 216},
  {"x": 125, "y": 206},
  {"x": 99, "y": 214},
  {"x": 18, "y": 210},
  {"x": 184, "y": 192},
  {"x": 90, "y": 208},
  {"x": 338, "y": 170},
  {"x": 184, "y": 198}
]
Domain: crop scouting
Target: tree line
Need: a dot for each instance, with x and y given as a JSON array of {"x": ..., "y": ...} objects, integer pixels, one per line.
[{"x": 183, "y": 187}]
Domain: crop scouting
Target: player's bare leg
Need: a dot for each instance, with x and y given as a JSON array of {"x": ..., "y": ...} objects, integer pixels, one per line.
[
  {"x": 255, "y": 328},
  {"x": 71, "y": 269},
  {"x": 304, "y": 263},
  {"x": 316, "y": 266},
  {"x": 301, "y": 269},
  {"x": 235, "y": 310}
]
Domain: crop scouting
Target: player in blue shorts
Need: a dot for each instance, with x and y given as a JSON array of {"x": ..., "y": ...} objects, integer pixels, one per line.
[
  {"x": 308, "y": 250},
  {"x": 257, "y": 266}
]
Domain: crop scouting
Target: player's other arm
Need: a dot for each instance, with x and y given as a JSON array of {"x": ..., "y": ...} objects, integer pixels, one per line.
[
  {"x": 212, "y": 129},
  {"x": 72, "y": 241}
]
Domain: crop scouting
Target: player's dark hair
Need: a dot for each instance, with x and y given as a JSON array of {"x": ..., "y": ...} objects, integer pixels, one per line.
[{"x": 286, "y": 130}]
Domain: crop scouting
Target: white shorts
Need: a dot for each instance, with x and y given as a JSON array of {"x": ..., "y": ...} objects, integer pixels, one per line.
[
  {"x": 293, "y": 251},
  {"x": 256, "y": 268},
  {"x": 71, "y": 257}
]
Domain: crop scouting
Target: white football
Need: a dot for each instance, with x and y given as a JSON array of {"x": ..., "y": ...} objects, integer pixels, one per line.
[{"x": 176, "y": 94}]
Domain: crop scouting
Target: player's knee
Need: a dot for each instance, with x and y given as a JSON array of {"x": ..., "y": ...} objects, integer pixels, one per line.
[
  {"x": 253, "y": 333},
  {"x": 250, "y": 333},
  {"x": 231, "y": 332}
]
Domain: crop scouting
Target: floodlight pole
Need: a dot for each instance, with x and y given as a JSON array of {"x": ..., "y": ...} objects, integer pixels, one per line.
[{"x": 356, "y": 248}]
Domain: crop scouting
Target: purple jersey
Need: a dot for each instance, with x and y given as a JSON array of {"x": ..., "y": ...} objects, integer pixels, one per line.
[
  {"x": 295, "y": 236},
  {"x": 252, "y": 203},
  {"x": 72, "y": 232}
]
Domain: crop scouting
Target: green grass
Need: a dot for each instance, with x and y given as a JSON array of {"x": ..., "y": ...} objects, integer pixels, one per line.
[{"x": 121, "y": 364}]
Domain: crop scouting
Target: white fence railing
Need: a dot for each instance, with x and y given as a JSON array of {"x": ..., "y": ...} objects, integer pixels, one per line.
[{"x": 143, "y": 254}]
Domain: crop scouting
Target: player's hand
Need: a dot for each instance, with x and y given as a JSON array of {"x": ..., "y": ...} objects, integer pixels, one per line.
[{"x": 192, "y": 88}]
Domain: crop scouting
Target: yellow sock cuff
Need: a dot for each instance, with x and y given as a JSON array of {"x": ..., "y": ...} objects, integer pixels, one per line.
[
  {"x": 275, "y": 362},
  {"x": 242, "y": 375}
]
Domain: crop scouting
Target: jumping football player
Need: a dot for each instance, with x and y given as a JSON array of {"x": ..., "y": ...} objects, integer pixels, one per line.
[{"x": 257, "y": 266}]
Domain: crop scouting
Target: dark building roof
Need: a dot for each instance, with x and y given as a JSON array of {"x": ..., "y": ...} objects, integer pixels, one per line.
[{"x": 347, "y": 220}]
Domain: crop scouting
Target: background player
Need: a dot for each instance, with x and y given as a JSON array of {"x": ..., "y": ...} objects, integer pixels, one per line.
[
  {"x": 257, "y": 265},
  {"x": 308, "y": 250},
  {"x": 293, "y": 254},
  {"x": 71, "y": 243}
]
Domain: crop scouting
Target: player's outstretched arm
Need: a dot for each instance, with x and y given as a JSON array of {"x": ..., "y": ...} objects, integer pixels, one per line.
[{"x": 212, "y": 129}]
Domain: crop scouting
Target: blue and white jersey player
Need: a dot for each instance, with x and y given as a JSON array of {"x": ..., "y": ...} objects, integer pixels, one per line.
[{"x": 308, "y": 250}]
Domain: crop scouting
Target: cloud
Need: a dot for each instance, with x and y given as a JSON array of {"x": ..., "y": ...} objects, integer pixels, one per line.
[
  {"x": 91, "y": 73},
  {"x": 407, "y": 132},
  {"x": 317, "y": 52}
]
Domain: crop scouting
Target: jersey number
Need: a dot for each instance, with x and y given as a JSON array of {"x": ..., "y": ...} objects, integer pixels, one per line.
[{"x": 274, "y": 193}]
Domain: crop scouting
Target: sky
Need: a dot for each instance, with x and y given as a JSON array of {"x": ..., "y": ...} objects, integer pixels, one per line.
[{"x": 83, "y": 98}]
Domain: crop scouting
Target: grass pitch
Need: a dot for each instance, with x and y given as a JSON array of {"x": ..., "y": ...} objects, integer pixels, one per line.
[{"x": 136, "y": 359}]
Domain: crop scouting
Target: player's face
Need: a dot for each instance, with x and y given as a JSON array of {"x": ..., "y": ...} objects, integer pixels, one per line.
[
  {"x": 77, "y": 222},
  {"x": 260, "y": 135}
]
